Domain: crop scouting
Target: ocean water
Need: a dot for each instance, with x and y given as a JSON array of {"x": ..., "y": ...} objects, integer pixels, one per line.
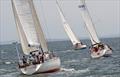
[{"x": 73, "y": 63}]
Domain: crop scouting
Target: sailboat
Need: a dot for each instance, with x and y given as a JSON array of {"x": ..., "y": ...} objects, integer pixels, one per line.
[
  {"x": 32, "y": 40},
  {"x": 77, "y": 44},
  {"x": 98, "y": 49}
]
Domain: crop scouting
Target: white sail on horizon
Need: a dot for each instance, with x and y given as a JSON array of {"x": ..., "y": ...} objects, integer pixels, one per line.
[
  {"x": 27, "y": 24},
  {"x": 88, "y": 23},
  {"x": 67, "y": 28}
]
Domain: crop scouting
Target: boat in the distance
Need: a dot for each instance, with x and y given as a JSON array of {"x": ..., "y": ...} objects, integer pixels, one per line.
[
  {"x": 77, "y": 44},
  {"x": 37, "y": 57},
  {"x": 97, "y": 49}
]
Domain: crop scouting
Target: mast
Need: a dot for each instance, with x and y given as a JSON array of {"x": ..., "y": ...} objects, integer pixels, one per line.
[
  {"x": 88, "y": 23},
  {"x": 66, "y": 26}
]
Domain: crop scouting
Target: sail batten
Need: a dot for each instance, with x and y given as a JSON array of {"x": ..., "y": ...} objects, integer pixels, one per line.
[
  {"x": 67, "y": 28},
  {"x": 88, "y": 23}
]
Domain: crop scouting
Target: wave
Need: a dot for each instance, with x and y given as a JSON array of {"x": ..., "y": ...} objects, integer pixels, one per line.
[
  {"x": 72, "y": 70},
  {"x": 6, "y": 71},
  {"x": 2, "y": 70},
  {"x": 71, "y": 61},
  {"x": 67, "y": 70},
  {"x": 66, "y": 51},
  {"x": 7, "y": 62},
  {"x": 10, "y": 74}
]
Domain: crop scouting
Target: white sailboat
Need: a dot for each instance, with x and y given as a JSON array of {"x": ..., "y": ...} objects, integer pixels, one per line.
[
  {"x": 77, "y": 44},
  {"x": 97, "y": 49},
  {"x": 32, "y": 39}
]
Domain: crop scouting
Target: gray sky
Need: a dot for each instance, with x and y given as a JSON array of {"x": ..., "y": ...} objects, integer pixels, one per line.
[{"x": 105, "y": 15}]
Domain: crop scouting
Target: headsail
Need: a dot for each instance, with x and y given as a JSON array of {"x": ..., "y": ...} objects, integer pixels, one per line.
[
  {"x": 67, "y": 28},
  {"x": 88, "y": 23},
  {"x": 38, "y": 28},
  {"x": 26, "y": 24}
]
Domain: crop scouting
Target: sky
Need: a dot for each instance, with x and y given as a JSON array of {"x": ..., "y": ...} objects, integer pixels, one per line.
[{"x": 105, "y": 15}]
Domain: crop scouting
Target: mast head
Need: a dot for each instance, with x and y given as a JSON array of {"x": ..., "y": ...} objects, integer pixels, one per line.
[{"x": 82, "y": 4}]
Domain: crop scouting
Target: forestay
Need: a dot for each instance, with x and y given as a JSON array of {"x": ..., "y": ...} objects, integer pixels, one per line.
[{"x": 88, "y": 23}]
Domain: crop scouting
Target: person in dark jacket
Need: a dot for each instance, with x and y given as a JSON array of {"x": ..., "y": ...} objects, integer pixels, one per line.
[{"x": 24, "y": 59}]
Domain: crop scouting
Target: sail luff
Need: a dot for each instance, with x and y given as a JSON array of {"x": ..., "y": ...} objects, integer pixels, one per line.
[
  {"x": 66, "y": 26},
  {"x": 89, "y": 24},
  {"x": 21, "y": 33},
  {"x": 38, "y": 28}
]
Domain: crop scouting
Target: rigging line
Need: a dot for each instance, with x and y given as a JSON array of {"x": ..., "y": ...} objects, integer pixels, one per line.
[
  {"x": 17, "y": 50},
  {"x": 45, "y": 21}
]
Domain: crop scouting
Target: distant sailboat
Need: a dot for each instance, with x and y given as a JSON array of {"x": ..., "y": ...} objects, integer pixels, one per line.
[
  {"x": 32, "y": 39},
  {"x": 77, "y": 44},
  {"x": 97, "y": 49}
]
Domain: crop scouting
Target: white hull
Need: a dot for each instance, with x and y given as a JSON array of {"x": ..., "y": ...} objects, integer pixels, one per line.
[
  {"x": 48, "y": 66},
  {"x": 104, "y": 52},
  {"x": 108, "y": 52},
  {"x": 79, "y": 46}
]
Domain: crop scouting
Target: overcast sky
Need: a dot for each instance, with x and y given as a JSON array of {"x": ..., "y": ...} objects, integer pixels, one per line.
[{"x": 105, "y": 15}]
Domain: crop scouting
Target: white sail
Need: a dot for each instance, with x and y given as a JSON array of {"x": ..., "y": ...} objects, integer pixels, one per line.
[
  {"x": 25, "y": 16},
  {"x": 21, "y": 34},
  {"x": 67, "y": 28},
  {"x": 88, "y": 23},
  {"x": 29, "y": 23},
  {"x": 38, "y": 28}
]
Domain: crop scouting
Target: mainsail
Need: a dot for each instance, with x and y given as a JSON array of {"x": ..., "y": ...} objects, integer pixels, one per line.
[
  {"x": 88, "y": 23},
  {"x": 67, "y": 28},
  {"x": 27, "y": 24}
]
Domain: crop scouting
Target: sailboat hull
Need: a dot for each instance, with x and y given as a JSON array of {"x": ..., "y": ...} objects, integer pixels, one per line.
[
  {"x": 108, "y": 52},
  {"x": 48, "y": 66},
  {"x": 100, "y": 53},
  {"x": 79, "y": 46}
]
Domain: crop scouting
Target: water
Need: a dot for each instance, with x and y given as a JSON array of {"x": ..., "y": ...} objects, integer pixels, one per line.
[{"x": 74, "y": 63}]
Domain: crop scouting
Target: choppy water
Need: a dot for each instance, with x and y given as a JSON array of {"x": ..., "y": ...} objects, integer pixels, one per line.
[{"x": 74, "y": 63}]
